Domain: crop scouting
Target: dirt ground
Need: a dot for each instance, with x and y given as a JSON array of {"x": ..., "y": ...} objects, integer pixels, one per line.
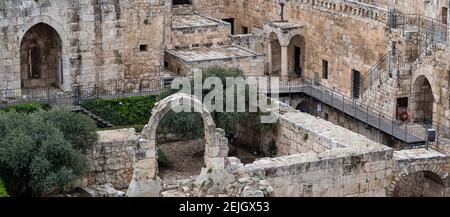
[{"x": 187, "y": 159}]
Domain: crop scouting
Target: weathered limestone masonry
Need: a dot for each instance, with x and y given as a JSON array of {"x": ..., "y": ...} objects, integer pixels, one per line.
[
  {"x": 336, "y": 31},
  {"x": 186, "y": 62},
  {"x": 310, "y": 106},
  {"x": 99, "y": 40},
  {"x": 349, "y": 165},
  {"x": 145, "y": 180},
  {"x": 322, "y": 162},
  {"x": 315, "y": 160},
  {"x": 111, "y": 161},
  {"x": 193, "y": 30},
  {"x": 411, "y": 169}
]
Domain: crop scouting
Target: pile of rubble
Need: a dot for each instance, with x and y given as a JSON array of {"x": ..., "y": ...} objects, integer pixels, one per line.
[{"x": 231, "y": 182}]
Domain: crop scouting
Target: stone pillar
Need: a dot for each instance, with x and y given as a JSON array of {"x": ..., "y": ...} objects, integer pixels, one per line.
[
  {"x": 269, "y": 55},
  {"x": 284, "y": 62}
]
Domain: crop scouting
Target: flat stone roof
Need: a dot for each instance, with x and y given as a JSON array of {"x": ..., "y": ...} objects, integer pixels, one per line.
[
  {"x": 284, "y": 25},
  {"x": 212, "y": 53},
  {"x": 192, "y": 21}
]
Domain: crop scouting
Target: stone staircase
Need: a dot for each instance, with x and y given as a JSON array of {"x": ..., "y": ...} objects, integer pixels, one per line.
[
  {"x": 420, "y": 41},
  {"x": 100, "y": 121}
]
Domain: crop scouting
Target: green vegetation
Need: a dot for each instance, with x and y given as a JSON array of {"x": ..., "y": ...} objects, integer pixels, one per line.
[
  {"x": 190, "y": 125},
  {"x": 43, "y": 151},
  {"x": 27, "y": 108},
  {"x": 124, "y": 111},
  {"x": 78, "y": 129},
  {"x": 3, "y": 192},
  {"x": 163, "y": 161}
]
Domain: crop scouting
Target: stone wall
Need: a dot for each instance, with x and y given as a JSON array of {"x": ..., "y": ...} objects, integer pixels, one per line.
[
  {"x": 112, "y": 160},
  {"x": 197, "y": 34},
  {"x": 419, "y": 173},
  {"x": 324, "y": 163},
  {"x": 100, "y": 40},
  {"x": 336, "y": 31},
  {"x": 344, "y": 173},
  {"x": 186, "y": 62}
]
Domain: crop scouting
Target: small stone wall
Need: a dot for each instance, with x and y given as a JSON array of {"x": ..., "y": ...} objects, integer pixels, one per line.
[
  {"x": 111, "y": 161},
  {"x": 189, "y": 31},
  {"x": 186, "y": 62},
  {"x": 339, "y": 173}
]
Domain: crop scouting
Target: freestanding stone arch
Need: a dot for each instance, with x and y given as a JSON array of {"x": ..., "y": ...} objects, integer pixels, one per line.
[
  {"x": 145, "y": 179},
  {"x": 426, "y": 181},
  {"x": 419, "y": 173}
]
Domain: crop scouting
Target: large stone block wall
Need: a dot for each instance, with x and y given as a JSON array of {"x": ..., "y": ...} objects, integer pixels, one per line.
[
  {"x": 338, "y": 36},
  {"x": 339, "y": 118},
  {"x": 338, "y": 173},
  {"x": 100, "y": 39},
  {"x": 112, "y": 160},
  {"x": 251, "y": 65},
  {"x": 191, "y": 37}
]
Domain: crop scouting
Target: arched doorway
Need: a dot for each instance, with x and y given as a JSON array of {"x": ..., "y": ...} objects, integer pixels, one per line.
[
  {"x": 296, "y": 59},
  {"x": 146, "y": 165},
  {"x": 423, "y": 101},
  {"x": 274, "y": 55},
  {"x": 40, "y": 58},
  {"x": 419, "y": 184},
  {"x": 303, "y": 107}
]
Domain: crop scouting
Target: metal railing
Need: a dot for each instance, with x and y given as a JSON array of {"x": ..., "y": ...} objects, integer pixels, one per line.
[
  {"x": 104, "y": 90},
  {"x": 382, "y": 66},
  {"x": 409, "y": 133},
  {"x": 417, "y": 23}
]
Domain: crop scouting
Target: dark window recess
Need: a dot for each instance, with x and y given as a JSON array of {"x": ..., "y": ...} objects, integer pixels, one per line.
[
  {"x": 230, "y": 21},
  {"x": 35, "y": 64},
  {"x": 327, "y": 117},
  {"x": 244, "y": 30},
  {"x": 325, "y": 69},
  {"x": 143, "y": 47},
  {"x": 356, "y": 84},
  {"x": 181, "y": 2},
  {"x": 166, "y": 64},
  {"x": 297, "y": 59},
  {"x": 402, "y": 102},
  {"x": 444, "y": 15}
]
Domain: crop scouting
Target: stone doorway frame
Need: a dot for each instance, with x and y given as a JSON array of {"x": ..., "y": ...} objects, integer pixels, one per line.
[
  {"x": 146, "y": 164},
  {"x": 64, "y": 39}
]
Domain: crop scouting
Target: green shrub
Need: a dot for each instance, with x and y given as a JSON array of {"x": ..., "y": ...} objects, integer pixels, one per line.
[
  {"x": 182, "y": 125},
  {"x": 3, "y": 192},
  {"x": 27, "y": 108},
  {"x": 78, "y": 129},
  {"x": 163, "y": 161},
  {"x": 190, "y": 125},
  {"x": 124, "y": 111},
  {"x": 35, "y": 157}
]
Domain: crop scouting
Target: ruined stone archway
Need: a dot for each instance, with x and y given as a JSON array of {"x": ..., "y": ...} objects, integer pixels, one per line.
[
  {"x": 40, "y": 57},
  {"x": 418, "y": 184},
  {"x": 423, "y": 100},
  {"x": 145, "y": 181},
  {"x": 423, "y": 178}
]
